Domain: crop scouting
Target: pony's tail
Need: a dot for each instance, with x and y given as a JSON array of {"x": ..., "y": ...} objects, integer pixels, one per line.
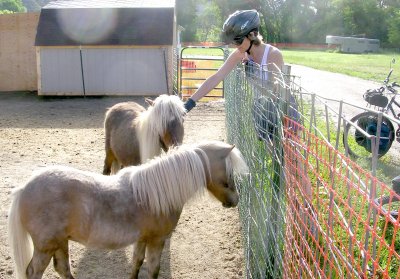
[{"x": 19, "y": 239}]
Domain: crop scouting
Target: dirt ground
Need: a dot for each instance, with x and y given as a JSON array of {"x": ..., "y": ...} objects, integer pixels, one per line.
[{"x": 37, "y": 132}]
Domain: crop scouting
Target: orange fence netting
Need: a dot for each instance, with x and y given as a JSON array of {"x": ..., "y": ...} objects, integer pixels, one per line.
[{"x": 336, "y": 223}]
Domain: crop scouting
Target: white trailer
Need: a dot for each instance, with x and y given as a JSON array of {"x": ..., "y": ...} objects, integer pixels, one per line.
[{"x": 353, "y": 44}]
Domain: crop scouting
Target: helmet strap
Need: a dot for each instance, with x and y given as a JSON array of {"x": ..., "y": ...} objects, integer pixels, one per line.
[{"x": 248, "y": 50}]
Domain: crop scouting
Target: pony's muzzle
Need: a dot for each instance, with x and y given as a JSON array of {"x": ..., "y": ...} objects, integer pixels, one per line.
[
  {"x": 231, "y": 203},
  {"x": 228, "y": 204}
]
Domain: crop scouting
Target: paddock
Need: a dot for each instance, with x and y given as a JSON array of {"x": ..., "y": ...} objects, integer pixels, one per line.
[{"x": 37, "y": 131}]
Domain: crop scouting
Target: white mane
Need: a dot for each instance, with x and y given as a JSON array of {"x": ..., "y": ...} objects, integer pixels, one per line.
[
  {"x": 166, "y": 183},
  {"x": 154, "y": 121}
]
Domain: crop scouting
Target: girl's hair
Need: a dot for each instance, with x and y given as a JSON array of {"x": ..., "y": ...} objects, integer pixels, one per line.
[{"x": 256, "y": 37}]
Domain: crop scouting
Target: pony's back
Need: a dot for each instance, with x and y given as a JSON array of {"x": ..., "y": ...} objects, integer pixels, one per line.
[
  {"x": 121, "y": 141},
  {"x": 122, "y": 112}
]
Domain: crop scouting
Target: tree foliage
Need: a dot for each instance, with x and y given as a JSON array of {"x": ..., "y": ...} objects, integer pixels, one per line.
[
  {"x": 11, "y": 6},
  {"x": 35, "y": 5},
  {"x": 305, "y": 21},
  {"x": 209, "y": 22},
  {"x": 393, "y": 29},
  {"x": 186, "y": 17}
]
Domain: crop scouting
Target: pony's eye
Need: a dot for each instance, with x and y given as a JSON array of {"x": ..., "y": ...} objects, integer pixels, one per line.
[{"x": 226, "y": 185}]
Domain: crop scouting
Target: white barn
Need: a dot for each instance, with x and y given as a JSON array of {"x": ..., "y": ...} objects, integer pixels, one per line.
[
  {"x": 106, "y": 47},
  {"x": 353, "y": 44}
]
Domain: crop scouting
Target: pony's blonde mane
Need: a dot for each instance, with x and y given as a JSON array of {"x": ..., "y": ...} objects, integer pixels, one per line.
[
  {"x": 166, "y": 183},
  {"x": 153, "y": 122}
]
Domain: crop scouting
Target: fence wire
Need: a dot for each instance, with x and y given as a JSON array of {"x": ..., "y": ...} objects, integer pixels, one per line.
[{"x": 307, "y": 209}]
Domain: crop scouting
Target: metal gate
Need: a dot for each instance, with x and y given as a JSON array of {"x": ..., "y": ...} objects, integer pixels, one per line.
[{"x": 195, "y": 65}]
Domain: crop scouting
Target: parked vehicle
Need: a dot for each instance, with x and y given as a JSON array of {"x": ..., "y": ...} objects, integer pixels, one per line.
[{"x": 356, "y": 136}]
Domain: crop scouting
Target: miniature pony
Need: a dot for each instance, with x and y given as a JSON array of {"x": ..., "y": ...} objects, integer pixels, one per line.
[
  {"x": 140, "y": 204},
  {"x": 135, "y": 135}
]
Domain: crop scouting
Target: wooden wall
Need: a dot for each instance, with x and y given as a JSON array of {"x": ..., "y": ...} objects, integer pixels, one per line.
[{"x": 17, "y": 52}]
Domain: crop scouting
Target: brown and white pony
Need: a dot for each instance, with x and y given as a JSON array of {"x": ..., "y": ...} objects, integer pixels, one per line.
[
  {"x": 134, "y": 134},
  {"x": 140, "y": 204}
]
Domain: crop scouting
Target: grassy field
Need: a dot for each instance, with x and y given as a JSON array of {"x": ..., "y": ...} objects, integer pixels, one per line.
[
  {"x": 371, "y": 66},
  {"x": 202, "y": 51}
]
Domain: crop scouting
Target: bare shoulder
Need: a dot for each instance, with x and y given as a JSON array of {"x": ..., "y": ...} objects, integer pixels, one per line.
[
  {"x": 275, "y": 52},
  {"x": 275, "y": 56}
]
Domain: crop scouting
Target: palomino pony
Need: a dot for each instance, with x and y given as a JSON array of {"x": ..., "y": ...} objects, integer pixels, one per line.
[
  {"x": 140, "y": 204},
  {"x": 134, "y": 134}
]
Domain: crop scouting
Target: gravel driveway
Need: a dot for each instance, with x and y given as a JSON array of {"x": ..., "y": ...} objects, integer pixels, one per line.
[{"x": 333, "y": 85}]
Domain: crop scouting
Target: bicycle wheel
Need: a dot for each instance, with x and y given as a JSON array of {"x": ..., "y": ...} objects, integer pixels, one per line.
[{"x": 358, "y": 144}]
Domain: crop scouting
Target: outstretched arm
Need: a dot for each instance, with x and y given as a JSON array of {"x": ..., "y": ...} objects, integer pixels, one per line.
[{"x": 211, "y": 82}]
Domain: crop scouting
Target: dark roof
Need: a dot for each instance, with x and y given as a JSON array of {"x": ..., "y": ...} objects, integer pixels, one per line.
[
  {"x": 110, "y": 4},
  {"x": 117, "y": 23}
]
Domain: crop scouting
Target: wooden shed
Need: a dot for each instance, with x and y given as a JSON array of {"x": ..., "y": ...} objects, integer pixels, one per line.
[{"x": 106, "y": 47}]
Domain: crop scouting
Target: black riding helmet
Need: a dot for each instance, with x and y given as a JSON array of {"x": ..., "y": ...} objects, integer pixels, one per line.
[{"x": 239, "y": 25}]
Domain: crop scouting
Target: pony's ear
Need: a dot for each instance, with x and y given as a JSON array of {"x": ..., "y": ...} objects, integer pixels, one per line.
[
  {"x": 149, "y": 101},
  {"x": 226, "y": 150}
]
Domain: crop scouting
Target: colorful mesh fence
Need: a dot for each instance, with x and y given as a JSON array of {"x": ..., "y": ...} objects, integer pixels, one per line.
[
  {"x": 334, "y": 226},
  {"x": 307, "y": 210}
]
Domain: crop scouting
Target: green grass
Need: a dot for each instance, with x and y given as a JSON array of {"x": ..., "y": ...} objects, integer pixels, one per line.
[
  {"x": 371, "y": 66},
  {"x": 203, "y": 51}
]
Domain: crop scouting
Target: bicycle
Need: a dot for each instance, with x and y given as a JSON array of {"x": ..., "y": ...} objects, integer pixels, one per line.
[{"x": 356, "y": 137}]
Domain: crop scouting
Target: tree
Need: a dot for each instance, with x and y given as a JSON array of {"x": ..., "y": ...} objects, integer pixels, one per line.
[
  {"x": 15, "y": 6},
  {"x": 298, "y": 17},
  {"x": 209, "y": 22},
  {"x": 306, "y": 21},
  {"x": 31, "y": 5},
  {"x": 394, "y": 29},
  {"x": 271, "y": 20},
  {"x": 5, "y": 12},
  {"x": 35, "y": 5},
  {"x": 363, "y": 17},
  {"x": 186, "y": 17}
]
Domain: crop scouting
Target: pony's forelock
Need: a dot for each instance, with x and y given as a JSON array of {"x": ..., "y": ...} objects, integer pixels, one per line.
[
  {"x": 154, "y": 121},
  {"x": 165, "y": 108}
]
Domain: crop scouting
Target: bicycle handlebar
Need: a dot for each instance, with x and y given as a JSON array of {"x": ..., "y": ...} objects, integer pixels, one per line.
[{"x": 388, "y": 76}]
